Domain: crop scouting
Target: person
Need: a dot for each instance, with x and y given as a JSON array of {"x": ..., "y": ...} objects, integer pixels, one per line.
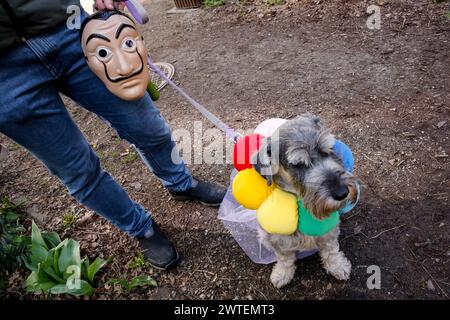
[{"x": 41, "y": 57}]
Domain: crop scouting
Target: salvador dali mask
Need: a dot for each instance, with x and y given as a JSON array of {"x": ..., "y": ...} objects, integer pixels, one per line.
[{"x": 115, "y": 52}]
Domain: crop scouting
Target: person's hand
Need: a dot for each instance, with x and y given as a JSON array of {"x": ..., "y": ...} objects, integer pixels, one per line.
[{"x": 108, "y": 5}]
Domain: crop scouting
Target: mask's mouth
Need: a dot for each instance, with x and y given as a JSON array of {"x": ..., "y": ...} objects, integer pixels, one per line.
[{"x": 119, "y": 79}]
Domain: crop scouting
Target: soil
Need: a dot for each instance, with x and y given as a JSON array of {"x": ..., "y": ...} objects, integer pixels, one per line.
[{"x": 384, "y": 92}]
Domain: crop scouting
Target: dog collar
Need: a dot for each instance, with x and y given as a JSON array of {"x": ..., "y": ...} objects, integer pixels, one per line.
[{"x": 311, "y": 226}]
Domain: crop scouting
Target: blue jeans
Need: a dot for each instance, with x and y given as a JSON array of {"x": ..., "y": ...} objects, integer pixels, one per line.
[{"x": 32, "y": 113}]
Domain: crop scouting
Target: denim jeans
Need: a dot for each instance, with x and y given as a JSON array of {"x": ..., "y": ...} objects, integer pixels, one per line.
[{"x": 32, "y": 114}]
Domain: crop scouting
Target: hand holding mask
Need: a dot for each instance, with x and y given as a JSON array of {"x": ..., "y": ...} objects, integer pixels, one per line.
[{"x": 115, "y": 52}]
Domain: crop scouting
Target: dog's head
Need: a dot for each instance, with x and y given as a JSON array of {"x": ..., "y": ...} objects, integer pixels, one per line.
[{"x": 299, "y": 158}]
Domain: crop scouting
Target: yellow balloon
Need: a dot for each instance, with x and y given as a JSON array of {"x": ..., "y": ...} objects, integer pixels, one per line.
[
  {"x": 279, "y": 213},
  {"x": 250, "y": 189}
]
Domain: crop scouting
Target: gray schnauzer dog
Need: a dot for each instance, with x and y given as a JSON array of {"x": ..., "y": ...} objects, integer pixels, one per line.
[{"x": 299, "y": 158}]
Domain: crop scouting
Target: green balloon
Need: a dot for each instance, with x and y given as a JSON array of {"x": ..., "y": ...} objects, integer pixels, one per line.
[{"x": 152, "y": 91}]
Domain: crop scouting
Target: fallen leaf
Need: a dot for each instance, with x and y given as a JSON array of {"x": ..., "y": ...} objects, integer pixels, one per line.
[
  {"x": 441, "y": 123},
  {"x": 430, "y": 285}
]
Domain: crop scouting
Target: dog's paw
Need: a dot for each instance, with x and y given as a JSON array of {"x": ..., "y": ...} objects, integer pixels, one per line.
[
  {"x": 282, "y": 275},
  {"x": 338, "y": 266}
]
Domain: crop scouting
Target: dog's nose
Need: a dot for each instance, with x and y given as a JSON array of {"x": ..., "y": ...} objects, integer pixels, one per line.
[{"x": 340, "y": 193}]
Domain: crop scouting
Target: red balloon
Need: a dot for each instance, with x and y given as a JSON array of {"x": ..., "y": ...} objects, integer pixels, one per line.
[{"x": 243, "y": 150}]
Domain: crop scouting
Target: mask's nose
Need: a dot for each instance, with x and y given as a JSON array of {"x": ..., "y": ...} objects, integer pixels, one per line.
[
  {"x": 123, "y": 66},
  {"x": 340, "y": 193}
]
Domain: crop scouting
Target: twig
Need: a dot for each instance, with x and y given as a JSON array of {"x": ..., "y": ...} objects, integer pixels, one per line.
[
  {"x": 89, "y": 231},
  {"x": 206, "y": 271},
  {"x": 429, "y": 274},
  {"x": 398, "y": 164},
  {"x": 370, "y": 159},
  {"x": 404, "y": 21},
  {"x": 85, "y": 219},
  {"x": 353, "y": 215},
  {"x": 257, "y": 290},
  {"x": 386, "y": 231}
]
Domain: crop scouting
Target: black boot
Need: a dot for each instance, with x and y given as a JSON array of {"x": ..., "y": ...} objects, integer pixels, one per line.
[
  {"x": 158, "y": 250},
  {"x": 208, "y": 193}
]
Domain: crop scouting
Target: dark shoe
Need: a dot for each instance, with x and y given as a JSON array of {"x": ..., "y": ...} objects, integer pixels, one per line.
[
  {"x": 159, "y": 250},
  {"x": 208, "y": 193}
]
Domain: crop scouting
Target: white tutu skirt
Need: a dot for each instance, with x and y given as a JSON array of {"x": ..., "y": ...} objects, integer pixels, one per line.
[{"x": 243, "y": 226}]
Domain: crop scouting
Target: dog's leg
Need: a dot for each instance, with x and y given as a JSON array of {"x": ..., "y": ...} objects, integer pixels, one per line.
[
  {"x": 333, "y": 260},
  {"x": 283, "y": 271}
]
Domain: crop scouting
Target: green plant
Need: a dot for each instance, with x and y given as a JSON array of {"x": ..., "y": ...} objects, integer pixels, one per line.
[
  {"x": 69, "y": 220},
  {"x": 274, "y": 2},
  {"x": 242, "y": 9},
  {"x": 137, "y": 262},
  {"x": 14, "y": 147},
  {"x": 100, "y": 154},
  {"x": 213, "y": 3},
  {"x": 13, "y": 246},
  {"x": 56, "y": 266},
  {"x": 115, "y": 154},
  {"x": 129, "y": 157},
  {"x": 130, "y": 285}
]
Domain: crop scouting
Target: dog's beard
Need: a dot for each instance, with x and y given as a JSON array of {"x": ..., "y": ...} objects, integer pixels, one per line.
[
  {"x": 319, "y": 202},
  {"x": 321, "y": 205}
]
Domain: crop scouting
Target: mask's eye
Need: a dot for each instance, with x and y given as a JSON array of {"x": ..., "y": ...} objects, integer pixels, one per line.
[
  {"x": 129, "y": 44},
  {"x": 103, "y": 53}
]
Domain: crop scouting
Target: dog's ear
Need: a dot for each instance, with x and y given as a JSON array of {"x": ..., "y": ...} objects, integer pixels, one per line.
[
  {"x": 326, "y": 141},
  {"x": 262, "y": 161},
  {"x": 298, "y": 155},
  {"x": 315, "y": 120}
]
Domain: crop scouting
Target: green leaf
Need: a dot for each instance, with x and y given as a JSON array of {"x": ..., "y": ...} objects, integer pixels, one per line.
[
  {"x": 32, "y": 283},
  {"x": 122, "y": 282},
  {"x": 51, "y": 239},
  {"x": 59, "y": 289},
  {"x": 141, "y": 281},
  {"x": 94, "y": 268},
  {"x": 36, "y": 236},
  {"x": 85, "y": 266},
  {"x": 11, "y": 217},
  {"x": 38, "y": 255},
  {"x": 30, "y": 266},
  {"x": 48, "y": 267},
  {"x": 84, "y": 289},
  {"x": 45, "y": 282},
  {"x": 56, "y": 254},
  {"x": 70, "y": 256},
  {"x": 25, "y": 240}
]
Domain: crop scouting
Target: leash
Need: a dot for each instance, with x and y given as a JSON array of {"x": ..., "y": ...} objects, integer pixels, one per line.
[
  {"x": 140, "y": 14},
  {"x": 137, "y": 11},
  {"x": 230, "y": 133}
]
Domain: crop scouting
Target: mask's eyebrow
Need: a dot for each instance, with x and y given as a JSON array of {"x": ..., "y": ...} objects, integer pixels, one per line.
[
  {"x": 123, "y": 26},
  {"x": 96, "y": 35}
]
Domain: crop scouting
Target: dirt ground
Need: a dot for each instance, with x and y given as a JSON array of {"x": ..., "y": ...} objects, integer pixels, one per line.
[{"x": 384, "y": 92}]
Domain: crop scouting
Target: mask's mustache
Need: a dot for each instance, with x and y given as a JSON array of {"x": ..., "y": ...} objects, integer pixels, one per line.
[{"x": 118, "y": 79}]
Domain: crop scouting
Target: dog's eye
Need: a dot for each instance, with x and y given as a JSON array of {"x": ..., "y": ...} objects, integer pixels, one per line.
[
  {"x": 298, "y": 166},
  {"x": 323, "y": 153}
]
